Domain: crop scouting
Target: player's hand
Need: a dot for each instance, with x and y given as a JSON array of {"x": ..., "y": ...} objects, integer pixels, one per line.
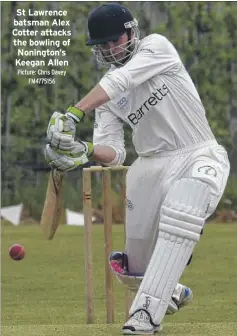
[
  {"x": 63, "y": 162},
  {"x": 62, "y": 128}
]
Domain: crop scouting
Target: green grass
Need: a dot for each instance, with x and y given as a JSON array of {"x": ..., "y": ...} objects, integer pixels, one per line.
[{"x": 44, "y": 294}]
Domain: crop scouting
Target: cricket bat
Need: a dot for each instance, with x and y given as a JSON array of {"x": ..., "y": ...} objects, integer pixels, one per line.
[{"x": 53, "y": 204}]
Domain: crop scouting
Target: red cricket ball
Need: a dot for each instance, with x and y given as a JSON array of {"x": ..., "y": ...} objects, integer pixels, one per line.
[{"x": 17, "y": 252}]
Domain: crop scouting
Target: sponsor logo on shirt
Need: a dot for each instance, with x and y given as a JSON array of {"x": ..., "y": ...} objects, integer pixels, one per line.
[
  {"x": 153, "y": 100},
  {"x": 121, "y": 104}
]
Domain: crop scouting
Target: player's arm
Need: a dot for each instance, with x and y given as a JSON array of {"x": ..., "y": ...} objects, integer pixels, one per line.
[
  {"x": 155, "y": 56},
  {"x": 95, "y": 98},
  {"x": 103, "y": 153}
]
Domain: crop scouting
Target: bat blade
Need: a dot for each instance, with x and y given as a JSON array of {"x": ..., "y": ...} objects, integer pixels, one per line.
[{"x": 53, "y": 204}]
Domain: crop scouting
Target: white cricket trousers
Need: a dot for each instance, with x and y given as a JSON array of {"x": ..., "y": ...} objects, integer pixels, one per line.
[{"x": 148, "y": 181}]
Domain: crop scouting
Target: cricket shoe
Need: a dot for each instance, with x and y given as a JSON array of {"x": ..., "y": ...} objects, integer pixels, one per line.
[
  {"x": 118, "y": 262},
  {"x": 182, "y": 296},
  {"x": 140, "y": 323}
]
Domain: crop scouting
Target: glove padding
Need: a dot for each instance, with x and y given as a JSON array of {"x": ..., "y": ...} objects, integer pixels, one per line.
[
  {"x": 59, "y": 160},
  {"x": 77, "y": 148},
  {"x": 61, "y": 131}
]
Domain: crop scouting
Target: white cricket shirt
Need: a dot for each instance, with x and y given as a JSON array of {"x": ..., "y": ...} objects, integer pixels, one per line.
[{"x": 155, "y": 95}]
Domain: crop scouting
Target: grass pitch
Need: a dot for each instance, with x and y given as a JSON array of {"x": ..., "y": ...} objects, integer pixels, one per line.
[{"x": 44, "y": 294}]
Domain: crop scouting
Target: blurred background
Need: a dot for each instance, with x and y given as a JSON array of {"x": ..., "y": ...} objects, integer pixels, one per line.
[{"x": 205, "y": 35}]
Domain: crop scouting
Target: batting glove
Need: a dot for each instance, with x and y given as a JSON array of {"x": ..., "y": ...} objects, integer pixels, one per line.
[
  {"x": 78, "y": 147},
  {"x": 56, "y": 159},
  {"x": 74, "y": 113},
  {"x": 62, "y": 128}
]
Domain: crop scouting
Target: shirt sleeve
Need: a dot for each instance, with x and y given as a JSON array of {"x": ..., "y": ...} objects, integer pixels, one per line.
[
  {"x": 108, "y": 129},
  {"x": 155, "y": 55}
]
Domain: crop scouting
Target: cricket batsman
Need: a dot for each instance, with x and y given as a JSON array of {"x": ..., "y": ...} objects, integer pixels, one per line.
[{"x": 181, "y": 171}]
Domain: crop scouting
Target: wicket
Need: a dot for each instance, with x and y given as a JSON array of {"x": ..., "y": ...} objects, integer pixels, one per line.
[{"x": 107, "y": 209}]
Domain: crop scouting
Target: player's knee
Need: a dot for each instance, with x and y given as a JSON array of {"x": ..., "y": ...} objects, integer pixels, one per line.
[{"x": 184, "y": 209}]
